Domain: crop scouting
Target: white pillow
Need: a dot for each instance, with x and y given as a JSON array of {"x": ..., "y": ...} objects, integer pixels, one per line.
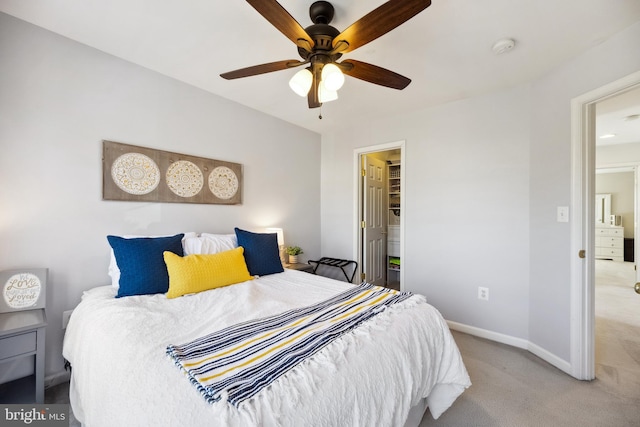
[
  {"x": 114, "y": 271},
  {"x": 209, "y": 243}
]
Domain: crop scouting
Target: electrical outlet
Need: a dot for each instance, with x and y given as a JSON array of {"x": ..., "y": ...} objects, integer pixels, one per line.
[
  {"x": 483, "y": 293},
  {"x": 65, "y": 318}
]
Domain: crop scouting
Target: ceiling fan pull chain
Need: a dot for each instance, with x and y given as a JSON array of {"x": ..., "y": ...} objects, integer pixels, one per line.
[{"x": 320, "y": 116}]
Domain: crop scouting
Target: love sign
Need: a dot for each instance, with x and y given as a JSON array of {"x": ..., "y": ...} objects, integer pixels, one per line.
[{"x": 23, "y": 289}]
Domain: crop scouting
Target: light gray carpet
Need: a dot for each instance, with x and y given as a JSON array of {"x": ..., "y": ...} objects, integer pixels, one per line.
[
  {"x": 512, "y": 387},
  {"x": 60, "y": 394}
]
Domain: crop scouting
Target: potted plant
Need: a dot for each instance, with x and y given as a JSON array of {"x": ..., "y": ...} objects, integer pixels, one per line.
[{"x": 293, "y": 252}]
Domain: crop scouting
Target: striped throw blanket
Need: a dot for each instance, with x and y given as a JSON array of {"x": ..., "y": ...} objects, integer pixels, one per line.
[{"x": 243, "y": 359}]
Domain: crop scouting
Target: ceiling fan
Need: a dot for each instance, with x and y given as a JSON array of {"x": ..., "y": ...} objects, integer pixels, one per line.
[{"x": 320, "y": 46}]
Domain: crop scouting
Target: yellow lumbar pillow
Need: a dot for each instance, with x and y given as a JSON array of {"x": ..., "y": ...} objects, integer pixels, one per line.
[{"x": 197, "y": 273}]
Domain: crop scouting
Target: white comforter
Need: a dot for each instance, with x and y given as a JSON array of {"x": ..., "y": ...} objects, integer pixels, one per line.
[{"x": 371, "y": 376}]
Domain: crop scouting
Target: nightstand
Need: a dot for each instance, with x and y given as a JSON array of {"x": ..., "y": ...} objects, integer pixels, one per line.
[
  {"x": 22, "y": 335},
  {"x": 308, "y": 268}
]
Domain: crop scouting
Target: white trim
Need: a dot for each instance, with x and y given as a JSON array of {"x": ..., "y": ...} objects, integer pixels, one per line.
[
  {"x": 490, "y": 335},
  {"x": 582, "y": 317},
  {"x": 543, "y": 354},
  {"x": 550, "y": 358},
  {"x": 357, "y": 153}
]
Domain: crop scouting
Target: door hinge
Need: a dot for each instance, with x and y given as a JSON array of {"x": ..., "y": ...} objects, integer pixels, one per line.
[
  {"x": 363, "y": 224},
  {"x": 582, "y": 253},
  {"x": 362, "y": 276},
  {"x": 364, "y": 172}
]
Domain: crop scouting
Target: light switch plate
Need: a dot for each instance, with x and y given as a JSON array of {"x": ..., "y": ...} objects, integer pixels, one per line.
[{"x": 563, "y": 213}]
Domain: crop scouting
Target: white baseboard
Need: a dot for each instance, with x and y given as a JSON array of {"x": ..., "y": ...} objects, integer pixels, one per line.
[
  {"x": 490, "y": 335},
  {"x": 56, "y": 378},
  {"x": 551, "y": 358},
  {"x": 543, "y": 354}
]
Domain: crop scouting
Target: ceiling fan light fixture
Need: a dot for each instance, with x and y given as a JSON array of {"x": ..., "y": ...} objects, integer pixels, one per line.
[
  {"x": 325, "y": 94},
  {"x": 301, "y": 82},
  {"x": 332, "y": 77}
]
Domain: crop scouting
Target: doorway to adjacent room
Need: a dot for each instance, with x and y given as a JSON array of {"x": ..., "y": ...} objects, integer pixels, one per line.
[{"x": 583, "y": 241}]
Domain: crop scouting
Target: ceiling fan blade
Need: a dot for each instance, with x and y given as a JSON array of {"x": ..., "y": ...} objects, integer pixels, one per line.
[
  {"x": 262, "y": 69},
  {"x": 273, "y": 12},
  {"x": 379, "y": 22},
  {"x": 373, "y": 74}
]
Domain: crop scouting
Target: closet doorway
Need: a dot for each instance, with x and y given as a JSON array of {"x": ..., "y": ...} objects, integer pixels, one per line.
[{"x": 380, "y": 212}]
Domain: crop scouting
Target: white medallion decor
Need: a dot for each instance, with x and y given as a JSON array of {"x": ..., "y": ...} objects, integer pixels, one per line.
[
  {"x": 135, "y": 173},
  {"x": 184, "y": 178},
  {"x": 223, "y": 182},
  {"x": 22, "y": 290}
]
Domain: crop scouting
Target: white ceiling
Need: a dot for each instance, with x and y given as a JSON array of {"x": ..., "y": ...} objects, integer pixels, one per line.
[
  {"x": 445, "y": 50},
  {"x": 615, "y": 116}
]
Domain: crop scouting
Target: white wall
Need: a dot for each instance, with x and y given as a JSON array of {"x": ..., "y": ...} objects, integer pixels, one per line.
[
  {"x": 549, "y": 323},
  {"x": 59, "y": 99},
  {"x": 467, "y": 204},
  {"x": 484, "y": 178},
  {"x": 619, "y": 154}
]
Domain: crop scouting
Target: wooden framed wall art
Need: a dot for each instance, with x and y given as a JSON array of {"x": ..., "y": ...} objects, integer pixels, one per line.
[{"x": 132, "y": 173}]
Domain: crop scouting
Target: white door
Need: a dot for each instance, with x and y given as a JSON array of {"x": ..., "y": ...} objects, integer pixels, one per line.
[{"x": 374, "y": 245}]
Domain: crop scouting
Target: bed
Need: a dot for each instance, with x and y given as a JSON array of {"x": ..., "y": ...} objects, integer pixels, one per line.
[{"x": 383, "y": 372}]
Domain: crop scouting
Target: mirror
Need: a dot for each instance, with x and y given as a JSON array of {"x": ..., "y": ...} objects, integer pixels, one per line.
[{"x": 603, "y": 208}]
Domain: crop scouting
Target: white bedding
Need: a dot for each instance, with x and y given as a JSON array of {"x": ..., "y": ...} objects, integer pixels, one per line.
[{"x": 371, "y": 376}]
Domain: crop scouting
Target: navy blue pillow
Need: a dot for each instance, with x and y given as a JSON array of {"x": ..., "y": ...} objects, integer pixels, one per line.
[
  {"x": 141, "y": 263},
  {"x": 261, "y": 252}
]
